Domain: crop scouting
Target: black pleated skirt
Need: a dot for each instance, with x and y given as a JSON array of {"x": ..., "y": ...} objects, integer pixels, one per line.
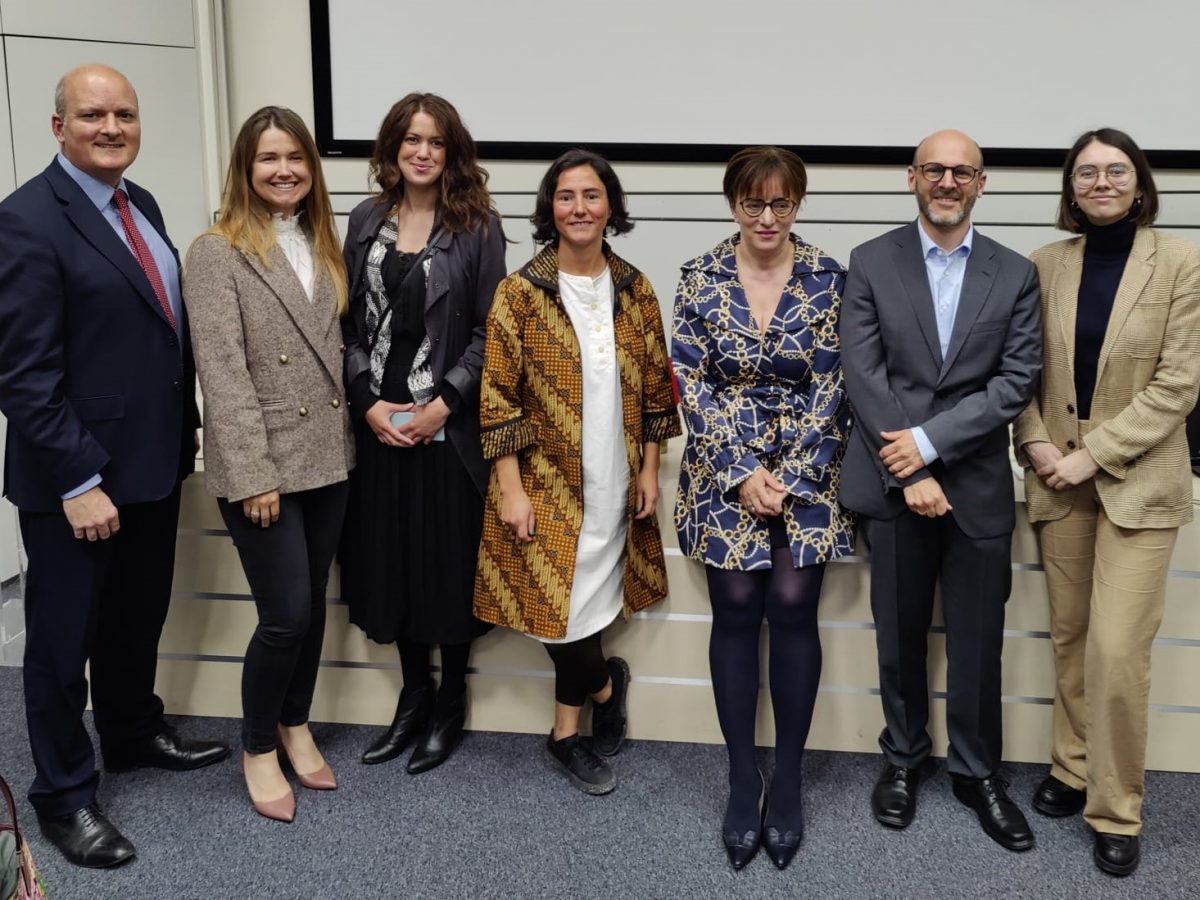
[{"x": 410, "y": 543}]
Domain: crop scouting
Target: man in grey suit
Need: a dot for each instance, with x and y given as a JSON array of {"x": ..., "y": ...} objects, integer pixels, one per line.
[{"x": 941, "y": 346}]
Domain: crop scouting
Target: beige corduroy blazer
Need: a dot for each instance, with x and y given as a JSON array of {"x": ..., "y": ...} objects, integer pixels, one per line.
[
  {"x": 270, "y": 368},
  {"x": 1146, "y": 383}
]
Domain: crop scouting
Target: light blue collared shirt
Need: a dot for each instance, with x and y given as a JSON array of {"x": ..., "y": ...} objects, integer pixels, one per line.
[
  {"x": 945, "y": 272},
  {"x": 101, "y": 195}
]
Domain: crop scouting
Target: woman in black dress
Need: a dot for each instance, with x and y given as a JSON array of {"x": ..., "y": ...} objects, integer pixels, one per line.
[{"x": 424, "y": 257}]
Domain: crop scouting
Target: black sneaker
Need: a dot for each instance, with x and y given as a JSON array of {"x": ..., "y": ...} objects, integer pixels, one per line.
[
  {"x": 608, "y": 719},
  {"x": 580, "y": 764}
]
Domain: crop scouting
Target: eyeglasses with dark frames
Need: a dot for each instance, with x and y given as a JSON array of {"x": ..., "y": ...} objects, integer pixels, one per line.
[
  {"x": 780, "y": 206},
  {"x": 936, "y": 171}
]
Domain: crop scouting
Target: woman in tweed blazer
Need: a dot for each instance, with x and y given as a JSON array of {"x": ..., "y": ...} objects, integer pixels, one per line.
[
  {"x": 1107, "y": 479},
  {"x": 575, "y": 401},
  {"x": 264, "y": 289}
]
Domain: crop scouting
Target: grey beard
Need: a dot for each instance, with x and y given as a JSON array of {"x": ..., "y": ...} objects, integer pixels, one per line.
[{"x": 951, "y": 220}]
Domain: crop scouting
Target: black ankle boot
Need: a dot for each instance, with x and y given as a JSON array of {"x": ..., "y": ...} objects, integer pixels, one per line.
[
  {"x": 413, "y": 711},
  {"x": 444, "y": 733}
]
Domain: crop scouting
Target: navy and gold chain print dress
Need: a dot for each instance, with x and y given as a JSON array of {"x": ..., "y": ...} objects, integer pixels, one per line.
[{"x": 776, "y": 400}]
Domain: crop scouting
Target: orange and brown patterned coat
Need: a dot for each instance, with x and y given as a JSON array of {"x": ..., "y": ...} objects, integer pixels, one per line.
[{"x": 531, "y": 404}]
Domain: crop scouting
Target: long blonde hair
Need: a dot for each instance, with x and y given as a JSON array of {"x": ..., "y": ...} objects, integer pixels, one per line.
[{"x": 245, "y": 221}]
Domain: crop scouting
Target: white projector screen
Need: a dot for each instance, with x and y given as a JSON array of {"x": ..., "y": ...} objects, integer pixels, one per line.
[{"x": 853, "y": 81}]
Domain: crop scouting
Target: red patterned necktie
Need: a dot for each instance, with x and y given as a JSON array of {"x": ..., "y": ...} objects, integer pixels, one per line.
[{"x": 142, "y": 252}]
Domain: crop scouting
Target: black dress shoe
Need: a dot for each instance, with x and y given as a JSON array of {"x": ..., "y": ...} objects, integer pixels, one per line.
[
  {"x": 1053, "y": 798},
  {"x": 1000, "y": 817},
  {"x": 86, "y": 838},
  {"x": 742, "y": 847},
  {"x": 411, "y": 719},
  {"x": 168, "y": 750},
  {"x": 443, "y": 735},
  {"x": 1117, "y": 854},
  {"x": 894, "y": 799},
  {"x": 782, "y": 843},
  {"x": 608, "y": 718}
]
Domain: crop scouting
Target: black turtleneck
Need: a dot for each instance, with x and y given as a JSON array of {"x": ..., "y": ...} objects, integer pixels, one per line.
[{"x": 1104, "y": 257}]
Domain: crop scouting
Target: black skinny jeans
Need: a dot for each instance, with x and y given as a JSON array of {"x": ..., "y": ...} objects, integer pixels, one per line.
[{"x": 287, "y": 566}]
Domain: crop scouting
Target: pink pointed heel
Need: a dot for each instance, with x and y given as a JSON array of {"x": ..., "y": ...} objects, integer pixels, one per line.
[{"x": 281, "y": 809}]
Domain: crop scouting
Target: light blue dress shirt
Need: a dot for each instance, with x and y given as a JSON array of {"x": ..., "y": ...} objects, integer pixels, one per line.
[
  {"x": 945, "y": 272},
  {"x": 101, "y": 195}
]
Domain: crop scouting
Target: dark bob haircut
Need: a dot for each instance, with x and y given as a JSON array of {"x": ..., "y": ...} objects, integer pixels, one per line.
[
  {"x": 544, "y": 231},
  {"x": 1145, "y": 211},
  {"x": 755, "y": 166}
]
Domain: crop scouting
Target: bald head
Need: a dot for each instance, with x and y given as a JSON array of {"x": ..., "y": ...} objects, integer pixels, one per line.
[
  {"x": 82, "y": 74},
  {"x": 96, "y": 121},
  {"x": 948, "y": 142}
]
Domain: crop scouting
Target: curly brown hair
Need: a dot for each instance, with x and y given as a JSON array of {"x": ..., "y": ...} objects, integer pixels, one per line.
[{"x": 464, "y": 201}]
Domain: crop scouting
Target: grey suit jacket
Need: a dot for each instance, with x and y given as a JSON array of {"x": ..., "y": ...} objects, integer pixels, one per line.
[
  {"x": 270, "y": 367},
  {"x": 896, "y": 377}
]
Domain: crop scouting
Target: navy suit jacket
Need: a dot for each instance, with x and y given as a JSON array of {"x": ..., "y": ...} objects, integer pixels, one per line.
[{"x": 92, "y": 376}]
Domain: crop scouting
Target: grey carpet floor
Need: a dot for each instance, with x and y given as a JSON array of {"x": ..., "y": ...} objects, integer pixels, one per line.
[{"x": 496, "y": 822}]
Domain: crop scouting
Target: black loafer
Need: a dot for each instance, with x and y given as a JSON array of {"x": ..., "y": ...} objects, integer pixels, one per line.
[
  {"x": 168, "y": 750},
  {"x": 609, "y": 718},
  {"x": 444, "y": 734},
  {"x": 894, "y": 799},
  {"x": 781, "y": 844},
  {"x": 1000, "y": 817},
  {"x": 86, "y": 838},
  {"x": 1117, "y": 854},
  {"x": 413, "y": 710},
  {"x": 1055, "y": 799}
]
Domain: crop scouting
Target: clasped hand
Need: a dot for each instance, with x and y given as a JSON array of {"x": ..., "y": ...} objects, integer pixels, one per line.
[
  {"x": 427, "y": 420},
  {"x": 900, "y": 454},
  {"x": 762, "y": 493},
  {"x": 1060, "y": 472}
]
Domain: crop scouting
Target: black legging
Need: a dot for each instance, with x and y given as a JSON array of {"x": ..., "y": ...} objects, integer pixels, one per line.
[
  {"x": 287, "y": 566},
  {"x": 414, "y": 667},
  {"x": 788, "y": 597},
  {"x": 579, "y": 669}
]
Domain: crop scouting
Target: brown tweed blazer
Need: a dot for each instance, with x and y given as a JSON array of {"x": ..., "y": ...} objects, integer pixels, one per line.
[
  {"x": 270, "y": 367},
  {"x": 1146, "y": 383},
  {"x": 532, "y": 405}
]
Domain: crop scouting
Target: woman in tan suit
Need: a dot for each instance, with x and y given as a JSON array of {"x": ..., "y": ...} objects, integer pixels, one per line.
[
  {"x": 1107, "y": 479},
  {"x": 264, "y": 289}
]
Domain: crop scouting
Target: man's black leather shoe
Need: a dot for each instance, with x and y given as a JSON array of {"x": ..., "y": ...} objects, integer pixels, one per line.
[
  {"x": 1056, "y": 799},
  {"x": 1117, "y": 854},
  {"x": 894, "y": 799},
  {"x": 86, "y": 838},
  {"x": 1000, "y": 817},
  {"x": 168, "y": 750}
]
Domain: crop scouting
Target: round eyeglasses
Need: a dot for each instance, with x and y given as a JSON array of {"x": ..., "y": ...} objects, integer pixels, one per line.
[
  {"x": 780, "y": 206},
  {"x": 936, "y": 171},
  {"x": 1118, "y": 175}
]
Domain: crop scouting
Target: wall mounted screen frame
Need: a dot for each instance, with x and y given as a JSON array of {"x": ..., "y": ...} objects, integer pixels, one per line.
[{"x": 740, "y": 63}]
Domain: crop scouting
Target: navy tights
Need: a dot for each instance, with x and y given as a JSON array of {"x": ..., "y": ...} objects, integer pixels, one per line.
[{"x": 788, "y": 598}]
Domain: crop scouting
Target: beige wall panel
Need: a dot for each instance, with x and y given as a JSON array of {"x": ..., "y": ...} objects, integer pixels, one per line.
[
  {"x": 842, "y": 721},
  {"x": 8, "y": 176},
  {"x": 138, "y": 22},
  {"x": 199, "y": 509},
  {"x": 171, "y": 162}
]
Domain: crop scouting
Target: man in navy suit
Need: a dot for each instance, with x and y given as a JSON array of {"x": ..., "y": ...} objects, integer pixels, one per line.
[{"x": 97, "y": 382}]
